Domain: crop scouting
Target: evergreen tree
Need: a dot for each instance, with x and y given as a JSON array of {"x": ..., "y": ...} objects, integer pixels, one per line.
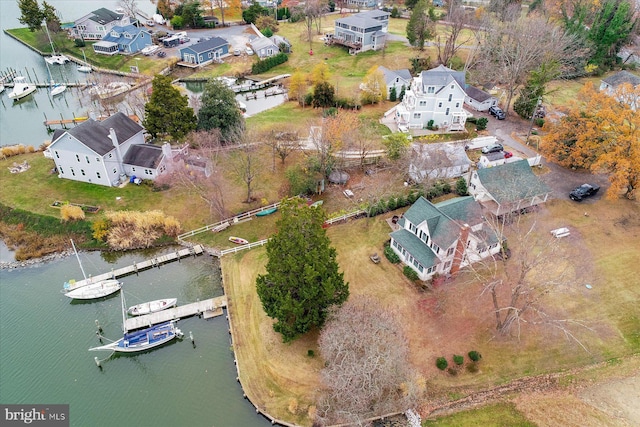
[
  {"x": 31, "y": 15},
  {"x": 403, "y": 89},
  {"x": 302, "y": 280},
  {"x": 253, "y": 12},
  {"x": 420, "y": 26},
  {"x": 168, "y": 111},
  {"x": 393, "y": 97},
  {"x": 612, "y": 27},
  {"x": 323, "y": 95},
  {"x": 49, "y": 14},
  {"x": 219, "y": 110}
]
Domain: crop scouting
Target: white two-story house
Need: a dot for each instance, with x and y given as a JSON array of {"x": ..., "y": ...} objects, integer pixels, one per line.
[
  {"x": 103, "y": 152},
  {"x": 97, "y": 24},
  {"x": 437, "y": 94},
  {"x": 443, "y": 238},
  {"x": 362, "y": 31}
]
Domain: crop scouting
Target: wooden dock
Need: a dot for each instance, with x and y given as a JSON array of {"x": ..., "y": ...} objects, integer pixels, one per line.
[
  {"x": 136, "y": 267},
  {"x": 77, "y": 120},
  {"x": 209, "y": 308}
]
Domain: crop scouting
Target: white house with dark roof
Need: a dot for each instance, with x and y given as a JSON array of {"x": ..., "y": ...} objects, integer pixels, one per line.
[
  {"x": 205, "y": 51},
  {"x": 478, "y": 99},
  {"x": 437, "y": 94},
  {"x": 101, "y": 152},
  {"x": 362, "y": 31},
  {"x": 443, "y": 238},
  {"x": 127, "y": 39},
  {"x": 438, "y": 161},
  {"x": 613, "y": 83},
  {"x": 507, "y": 188},
  {"x": 396, "y": 79},
  {"x": 97, "y": 24}
]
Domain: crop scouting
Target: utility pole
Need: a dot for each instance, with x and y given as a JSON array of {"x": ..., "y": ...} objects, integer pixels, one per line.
[{"x": 533, "y": 116}]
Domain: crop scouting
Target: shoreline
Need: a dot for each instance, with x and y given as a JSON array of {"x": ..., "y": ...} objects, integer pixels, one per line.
[{"x": 33, "y": 262}]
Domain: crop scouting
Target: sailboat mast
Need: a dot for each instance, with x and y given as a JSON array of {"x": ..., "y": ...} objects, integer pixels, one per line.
[
  {"x": 53, "y": 51},
  {"x": 77, "y": 256},
  {"x": 124, "y": 316}
]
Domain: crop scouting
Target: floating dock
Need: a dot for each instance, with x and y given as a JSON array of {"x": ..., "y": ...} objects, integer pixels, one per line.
[
  {"x": 208, "y": 308},
  {"x": 136, "y": 267}
]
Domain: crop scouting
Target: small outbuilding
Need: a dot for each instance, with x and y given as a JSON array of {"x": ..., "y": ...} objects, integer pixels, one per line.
[
  {"x": 205, "y": 51},
  {"x": 478, "y": 99},
  {"x": 338, "y": 177}
]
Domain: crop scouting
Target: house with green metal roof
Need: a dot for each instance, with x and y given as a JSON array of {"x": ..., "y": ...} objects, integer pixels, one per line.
[
  {"x": 511, "y": 187},
  {"x": 443, "y": 238}
]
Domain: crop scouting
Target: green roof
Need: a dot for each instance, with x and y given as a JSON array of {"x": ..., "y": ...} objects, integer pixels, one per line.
[
  {"x": 415, "y": 247},
  {"x": 511, "y": 182},
  {"x": 463, "y": 209}
]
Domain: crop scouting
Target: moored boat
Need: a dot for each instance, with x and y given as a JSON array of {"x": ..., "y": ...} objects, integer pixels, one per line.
[
  {"x": 238, "y": 240},
  {"x": 57, "y": 59},
  {"x": 152, "y": 306},
  {"x": 144, "y": 339},
  {"x": 21, "y": 88},
  {"x": 99, "y": 289}
]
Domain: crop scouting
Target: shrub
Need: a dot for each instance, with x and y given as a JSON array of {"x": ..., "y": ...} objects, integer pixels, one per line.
[
  {"x": 392, "y": 203},
  {"x": 308, "y": 99},
  {"x": 430, "y": 124},
  {"x": 177, "y": 22},
  {"x": 393, "y": 95},
  {"x": 410, "y": 273},
  {"x": 266, "y": 64},
  {"x": 472, "y": 119},
  {"x": 79, "y": 43},
  {"x": 132, "y": 230},
  {"x": 71, "y": 213},
  {"x": 293, "y": 405},
  {"x": 481, "y": 124},
  {"x": 461, "y": 187},
  {"x": 100, "y": 229},
  {"x": 452, "y": 371},
  {"x": 458, "y": 359},
  {"x": 267, "y": 32},
  {"x": 442, "y": 363},
  {"x": 474, "y": 355},
  {"x": 539, "y": 122},
  {"x": 391, "y": 255},
  {"x": 310, "y": 353},
  {"x": 472, "y": 368},
  {"x": 395, "y": 13}
]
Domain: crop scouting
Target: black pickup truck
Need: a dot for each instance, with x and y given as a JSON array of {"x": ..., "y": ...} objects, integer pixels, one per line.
[{"x": 584, "y": 191}]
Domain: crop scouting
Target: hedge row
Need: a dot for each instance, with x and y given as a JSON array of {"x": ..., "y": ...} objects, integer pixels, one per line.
[
  {"x": 396, "y": 202},
  {"x": 264, "y": 65}
]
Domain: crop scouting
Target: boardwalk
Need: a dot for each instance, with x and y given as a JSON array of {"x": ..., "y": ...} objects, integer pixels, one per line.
[
  {"x": 135, "y": 268},
  {"x": 209, "y": 308}
]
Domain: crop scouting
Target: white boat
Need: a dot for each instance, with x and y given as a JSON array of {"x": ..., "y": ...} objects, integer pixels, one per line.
[
  {"x": 99, "y": 289},
  {"x": 1, "y": 88},
  {"x": 57, "y": 59},
  {"x": 90, "y": 290},
  {"x": 152, "y": 306},
  {"x": 21, "y": 88},
  {"x": 54, "y": 88},
  {"x": 150, "y": 50},
  {"x": 84, "y": 68},
  {"x": 144, "y": 339}
]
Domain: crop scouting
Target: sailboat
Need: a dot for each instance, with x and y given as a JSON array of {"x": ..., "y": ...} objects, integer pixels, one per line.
[
  {"x": 143, "y": 339},
  {"x": 89, "y": 290},
  {"x": 54, "y": 59},
  {"x": 84, "y": 68},
  {"x": 54, "y": 88}
]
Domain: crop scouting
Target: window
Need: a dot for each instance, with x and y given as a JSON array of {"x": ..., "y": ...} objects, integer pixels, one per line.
[
  {"x": 452, "y": 86},
  {"x": 115, "y": 171},
  {"x": 446, "y": 113},
  {"x": 82, "y": 172},
  {"x": 439, "y": 104},
  {"x": 450, "y": 97},
  {"x": 87, "y": 157},
  {"x": 98, "y": 159},
  {"x": 72, "y": 172},
  {"x": 431, "y": 269},
  {"x": 450, "y": 251},
  {"x": 417, "y": 115},
  {"x": 431, "y": 89},
  {"x": 209, "y": 54},
  {"x": 57, "y": 155},
  {"x": 447, "y": 266},
  {"x": 133, "y": 169},
  {"x": 457, "y": 105},
  {"x": 413, "y": 228},
  {"x": 98, "y": 175},
  {"x": 61, "y": 171},
  {"x": 110, "y": 155},
  {"x": 420, "y": 268},
  {"x": 423, "y": 103},
  {"x": 77, "y": 157}
]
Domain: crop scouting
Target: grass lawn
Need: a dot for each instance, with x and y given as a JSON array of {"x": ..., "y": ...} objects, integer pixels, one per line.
[{"x": 498, "y": 415}]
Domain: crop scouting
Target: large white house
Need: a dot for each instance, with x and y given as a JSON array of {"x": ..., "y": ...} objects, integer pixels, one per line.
[
  {"x": 103, "y": 152},
  {"x": 437, "y": 94},
  {"x": 97, "y": 24},
  {"x": 362, "y": 31},
  {"x": 443, "y": 238}
]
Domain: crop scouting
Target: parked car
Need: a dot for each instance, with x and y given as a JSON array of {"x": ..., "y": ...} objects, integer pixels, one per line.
[
  {"x": 508, "y": 154},
  {"x": 162, "y": 54},
  {"x": 236, "y": 52},
  {"x": 493, "y": 148},
  {"x": 496, "y": 111},
  {"x": 249, "y": 51},
  {"x": 584, "y": 191},
  {"x": 149, "y": 23}
]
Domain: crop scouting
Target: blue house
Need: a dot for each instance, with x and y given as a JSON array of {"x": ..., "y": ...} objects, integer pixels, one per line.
[
  {"x": 205, "y": 51},
  {"x": 128, "y": 40}
]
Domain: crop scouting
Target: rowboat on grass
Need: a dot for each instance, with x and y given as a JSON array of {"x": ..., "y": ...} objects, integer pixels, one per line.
[
  {"x": 267, "y": 212},
  {"x": 238, "y": 240}
]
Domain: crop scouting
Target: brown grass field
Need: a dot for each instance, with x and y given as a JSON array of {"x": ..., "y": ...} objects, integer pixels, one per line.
[{"x": 453, "y": 319}]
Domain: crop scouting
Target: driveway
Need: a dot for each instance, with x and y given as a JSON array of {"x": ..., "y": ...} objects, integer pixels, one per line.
[
  {"x": 512, "y": 131},
  {"x": 237, "y": 35}
]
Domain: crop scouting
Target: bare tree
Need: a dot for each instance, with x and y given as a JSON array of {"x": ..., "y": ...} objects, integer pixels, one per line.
[
  {"x": 313, "y": 11},
  {"x": 130, "y": 7},
  {"x": 449, "y": 41},
  {"x": 246, "y": 162},
  {"x": 282, "y": 143},
  {"x": 367, "y": 371},
  {"x": 512, "y": 49}
]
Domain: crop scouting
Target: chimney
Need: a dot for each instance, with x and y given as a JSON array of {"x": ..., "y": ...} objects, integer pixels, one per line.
[
  {"x": 461, "y": 246},
  {"x": 166, "y": 150},
  {"x": 114, "y": 141}
]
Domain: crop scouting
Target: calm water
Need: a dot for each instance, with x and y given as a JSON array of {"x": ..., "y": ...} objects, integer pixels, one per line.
[{"x": 44, "y": 340}]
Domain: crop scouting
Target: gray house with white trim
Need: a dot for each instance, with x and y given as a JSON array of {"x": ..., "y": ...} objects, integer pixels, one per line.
[
  {"x": 443, "y": 238},
  {"x": 205, "y": 51},
  {"x": 101, "y": 152},
  {"x": 97, "y": 24},
  {"x": 396, "y": 78},
  {"x": 362, "y": 31}
]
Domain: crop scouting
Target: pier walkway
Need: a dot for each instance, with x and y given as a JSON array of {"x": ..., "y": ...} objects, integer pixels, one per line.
[
  {"x": 209, "y": 308},
  {"x": 136, "y": 267}
]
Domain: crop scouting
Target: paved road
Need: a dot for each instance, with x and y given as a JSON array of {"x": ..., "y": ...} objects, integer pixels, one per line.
[{"x": 561, "y": 180}]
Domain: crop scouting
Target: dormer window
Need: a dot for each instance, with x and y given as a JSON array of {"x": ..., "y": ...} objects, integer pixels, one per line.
[
  {"x": 127, "y": 35},
  {"x": 114, "y": 34},
  {"x": 431, "y": 89}
]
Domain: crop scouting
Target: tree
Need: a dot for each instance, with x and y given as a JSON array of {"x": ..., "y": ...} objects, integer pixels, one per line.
[
  {"x": 191, "y": 14},
  {"x": 177, "y": 22},
  {"x": 535, "y": 89},
  {"x": 298, "y": 86},
  {"x": 374, "y": 88},
  {"x": 506, "y": 10},
  {"x": 302, "y": 280},
  {"x": 323, "y": 95},
  {"x": 282, "y": 144},
  {"x": 219, "y": 110},
  {"x": 397, "y": 144},
  {"x": 31, "y": 15},
  {"x": 267, "y": 23},
  {"x": 232, "y": 6},
  {"x": 252, "y": 13},
  {"x": 420, "y": 26},
  {"x": 367, "y": 371},
  {"x": 449, "y": 42},
  {"x": 246, "y": 162},
  {"x": 600, "y": 133},
  {"x": 313, "y": 11},
  {"x": 130, "y": 7},
  {"x": 164, "y": 9},
  {"x": 320, "y": 73},
  {"x": 168, "y": 112},
  {"x": 51, "y": 17},
  {"x": 393, "y": 96},
  {"x": 611, "y": 28}
]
